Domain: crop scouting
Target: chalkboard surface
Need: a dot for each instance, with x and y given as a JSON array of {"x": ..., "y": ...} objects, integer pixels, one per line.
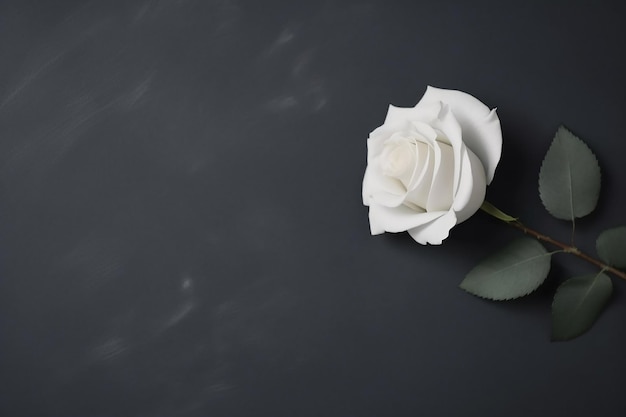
[{"x": 181, "y": 225}]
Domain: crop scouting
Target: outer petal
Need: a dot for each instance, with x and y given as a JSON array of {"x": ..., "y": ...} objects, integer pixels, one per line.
[
  {"x": 381, "y": 189},
  {"x": 481, "y": 126},
  {"x": 436, "y": 231},
  {"x": 375, "y": 146},
  {"x": 424, "y": 131},
  {"x": 450, "y": 127},
  {"x": 400, "y": 219},
  {"x": 472, "y": 188},
  {"x": 376, "y": 228},
  {"x": 441, "y": 194},
  {"x": 398, "y": 116}
]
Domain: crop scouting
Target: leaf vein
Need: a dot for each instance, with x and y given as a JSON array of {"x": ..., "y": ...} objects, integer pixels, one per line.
[{"x": 518, "y": 263}]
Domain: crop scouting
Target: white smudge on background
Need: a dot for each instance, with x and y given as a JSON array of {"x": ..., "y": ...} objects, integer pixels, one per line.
[
  {"x": 30, "y": 78},
  {"x": 303, "y": 87},
  {"x": 179, "y": 314},
  {"x": 110, "y": 349},
  {"x": 285, "y": 37},
  {"x": 184, "y": 308},
  {"x": 186, "y": 284},
  {"x": 134, "y": 96}
]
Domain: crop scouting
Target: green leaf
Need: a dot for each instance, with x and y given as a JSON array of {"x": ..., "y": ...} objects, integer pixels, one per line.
[
  {"x": 611, "y": 246},
  {"x": 492, "y": 210},
  {"x": 577, "y": 304},
  {"x": 515, "y": 271},
  {"x": 569, "y": 179}
]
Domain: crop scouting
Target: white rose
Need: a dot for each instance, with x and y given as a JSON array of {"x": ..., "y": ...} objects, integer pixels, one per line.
[{"x": 428, "y": 166}]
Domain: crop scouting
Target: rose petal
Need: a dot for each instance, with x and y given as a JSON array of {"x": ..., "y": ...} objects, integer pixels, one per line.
[
  {"x": 423, "y": 131},
  {"x": 436, "y": 231},
  {"x": 421, "y": 185},
  {"x": 398, "y": 158},
  {"x": 481, "y": 127},
  {"x": 375, "y": 227},
  {"x": 400, "y": 219},
  {"x": 365, "y": 192},
  {"x": 398, "y": 116},
  {"x": 375, "y": 147},
  {"x": 425, "y": 139},
  {"x": 420, "y": 156},
  {"x": 441, "y": 191},
  {"x": 471, "y": 193},
  {"x": 422, "y": 165},
  {"x": 450, "y": 128},
  {"x": 381, "y": 189}
]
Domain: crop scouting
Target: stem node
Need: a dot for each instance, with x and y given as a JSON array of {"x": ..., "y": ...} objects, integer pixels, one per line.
[{"x": 498, "y": 214}]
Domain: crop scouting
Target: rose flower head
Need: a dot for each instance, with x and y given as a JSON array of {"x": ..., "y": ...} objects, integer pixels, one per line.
[{"x": 428, "y": 166}]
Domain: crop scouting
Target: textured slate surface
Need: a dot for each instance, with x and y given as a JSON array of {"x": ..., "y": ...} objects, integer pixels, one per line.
[{"x": 181, "y": 230}]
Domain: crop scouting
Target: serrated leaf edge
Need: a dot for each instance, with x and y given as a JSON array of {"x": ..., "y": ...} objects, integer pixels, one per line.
[
  {"x": 509, "y": 298},
  {"x": 541, "y": 196},
  {"x": 520, "y": 296},
  {"x": 556, "y": 141},
  {"x": 599, "y": 252},
  {"x": 559, "y": 289}
]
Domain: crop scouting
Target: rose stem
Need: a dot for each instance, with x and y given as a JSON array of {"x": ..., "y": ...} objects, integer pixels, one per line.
[{"x": 566, "y": 248}]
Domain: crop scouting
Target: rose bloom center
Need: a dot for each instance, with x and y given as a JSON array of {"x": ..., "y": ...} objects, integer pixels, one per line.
[{"x": 398, "y": 158}]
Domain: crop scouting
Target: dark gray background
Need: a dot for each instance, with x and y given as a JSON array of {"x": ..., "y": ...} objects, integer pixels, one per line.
[{"x": 181, "y": 228}]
